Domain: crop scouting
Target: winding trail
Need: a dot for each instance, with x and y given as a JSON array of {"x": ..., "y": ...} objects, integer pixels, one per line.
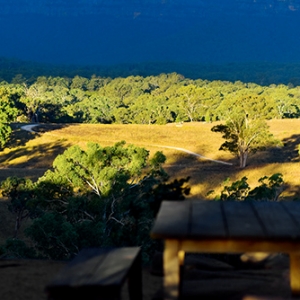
[
  {"x": 196, "y": 154},
  {"x": 30, "y": 126}
]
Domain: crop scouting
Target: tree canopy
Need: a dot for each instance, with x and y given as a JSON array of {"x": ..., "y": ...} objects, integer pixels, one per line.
[
  {"x": 160, "y": 99},
  {"x": 8, "y": 112},
  {"x": 98, "y": 196},
  {"x": 245, "y": 129}
]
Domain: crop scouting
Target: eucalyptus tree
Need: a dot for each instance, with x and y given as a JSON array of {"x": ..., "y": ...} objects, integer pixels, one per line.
[
  {"x": 8, "y": 113},
  {"x": 245, "y": 130},
  {"x": 284, "y": 100},
  {"x": 79, "y": 82},
  {"x": 294, "y": 110},
  {"x": 20, "y": 193},
  {"x": 33, "y": 96},
  {"x": 189, "y": 102},
  {"x": 100, "y": 196},
  {"x": 141, "y": 110},
  {"x": 96, "y": 82}
]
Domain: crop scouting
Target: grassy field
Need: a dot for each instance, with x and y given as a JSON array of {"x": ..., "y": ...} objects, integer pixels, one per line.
[{"x": 30, "y": 154}]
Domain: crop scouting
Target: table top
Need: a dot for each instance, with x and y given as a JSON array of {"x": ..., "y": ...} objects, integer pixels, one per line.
[{"x": 200, "y": 219}]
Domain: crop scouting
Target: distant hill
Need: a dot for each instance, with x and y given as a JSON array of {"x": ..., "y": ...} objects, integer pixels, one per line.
[
  {"x": 260, "y": 73},
  {"x": 107, "y": 40},
  {"x": 158, "y": 9},
  {"x": 106, "y": 32}
]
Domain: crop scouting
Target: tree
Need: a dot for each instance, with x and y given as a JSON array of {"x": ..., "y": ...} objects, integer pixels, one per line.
[
  {"x": 245, "y": 130},
  {"x": 269, "y": 188},
  {"x": 33, "y": 97},
  {"x": 100, "y": 196},
  {"x": 8, "y": 113},
  {"x": 20, "y": 192}
]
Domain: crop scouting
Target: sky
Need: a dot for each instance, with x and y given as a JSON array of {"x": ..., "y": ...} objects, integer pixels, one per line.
[{"x": 107, "y": 32}]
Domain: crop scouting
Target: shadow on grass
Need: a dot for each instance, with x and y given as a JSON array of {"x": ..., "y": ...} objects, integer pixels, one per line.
[
  {"x": 39, "y": 156},
  {"x": 32, "y": 174},
  {"x": 290, "y": 149},
  {"x": 287, "y": 153},
  {"x": 205, "y": 175},
  {"x": 20, "y": 137},
  {"x": 208, "y": 175}
]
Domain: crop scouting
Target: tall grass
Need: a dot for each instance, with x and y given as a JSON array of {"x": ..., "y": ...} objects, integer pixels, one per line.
[{"x": 31, "y": 154}]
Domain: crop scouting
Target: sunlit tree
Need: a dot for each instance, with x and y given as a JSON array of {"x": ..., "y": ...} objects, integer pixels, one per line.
[
  {"x": 245, "y": 130},
  {"x": 8, "y": 113}
]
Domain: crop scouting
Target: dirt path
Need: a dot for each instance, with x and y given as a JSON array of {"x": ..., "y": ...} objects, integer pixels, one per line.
[
  {"x": 29, "y": 127},
  {"x": 196, "y": 154}
]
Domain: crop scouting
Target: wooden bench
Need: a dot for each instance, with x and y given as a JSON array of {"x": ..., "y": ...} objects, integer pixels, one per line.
[
  {"x": 99, "y": 273},
  {"x": 226, "y": 227}
]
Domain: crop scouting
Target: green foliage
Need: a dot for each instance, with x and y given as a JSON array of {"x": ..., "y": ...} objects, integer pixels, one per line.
[
  {"x": 21, "y": 193},
  {"x": 238, "y": 190},
  {"x": 157, "y": 99},
  {"x": 175, "y": 190},
  {"x": 5, "y": 132},
  {"x": 55, "y": 237},
  {"x": 98, "y": 196},
  {"x": 8, "y": 112},
  {"x": 15, "y": 248},
  {"x": 269, "y": 188},
  {"x": 244, "y": 135}
]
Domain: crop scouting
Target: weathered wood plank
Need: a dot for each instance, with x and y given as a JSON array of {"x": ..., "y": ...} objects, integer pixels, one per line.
[
  {"x": 171, "y": 270},
  {"x": 238, "y": 245},
  {"x": 275, "y": 219},
  {"x": 207, "y": 220},
  {"x": 172, "y": 220},
  {"x": 242, "y": 221},
  {"x": 230, "y": 227},
  {"x": 82, "y": 267},
  {"x": 113, "y": 269},
  {"x": 295, "y": 273},
  {"x": 99, "y": 273},
  {"x": 94, "y": 266}
]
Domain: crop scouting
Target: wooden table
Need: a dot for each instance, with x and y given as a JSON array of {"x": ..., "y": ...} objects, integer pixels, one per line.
[
  {"x": 99, "y": 273},
  {"x": 226, "y": 227}
]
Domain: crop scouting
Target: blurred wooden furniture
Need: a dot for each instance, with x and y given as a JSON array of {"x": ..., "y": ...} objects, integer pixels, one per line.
[
  {"x": 226, "y": 227},
  {"x": 99, "y": 273}
]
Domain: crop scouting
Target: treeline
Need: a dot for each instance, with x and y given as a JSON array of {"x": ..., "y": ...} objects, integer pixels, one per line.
[
  {"x": 143, "y": 100},
  {"x": 263, "y": 73}
]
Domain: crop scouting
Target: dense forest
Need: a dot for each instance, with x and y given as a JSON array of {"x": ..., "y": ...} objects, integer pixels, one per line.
[{"x": 153, "y": 99}]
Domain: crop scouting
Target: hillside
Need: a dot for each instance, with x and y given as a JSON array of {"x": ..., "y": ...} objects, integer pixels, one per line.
[
  {"x": 31, "y": 154},
  {"x": 117, "y": 32}
]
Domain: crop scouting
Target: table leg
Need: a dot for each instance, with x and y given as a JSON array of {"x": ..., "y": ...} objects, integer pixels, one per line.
[
  {"x": 181, "y": 257},
  {"x": 295, "y": 273},
  {"x": 172, "y": 261}
]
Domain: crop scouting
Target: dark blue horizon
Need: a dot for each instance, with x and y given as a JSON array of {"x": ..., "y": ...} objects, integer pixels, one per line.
[{"x": 109, "y": 39}]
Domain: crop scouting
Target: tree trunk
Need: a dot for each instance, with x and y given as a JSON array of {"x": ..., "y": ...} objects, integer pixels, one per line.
[
  {"x": 243, "y": 158},
  {"x": 18, "y": 223}
]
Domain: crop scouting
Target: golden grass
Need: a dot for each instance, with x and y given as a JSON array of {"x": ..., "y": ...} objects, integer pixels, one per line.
[
  {"x": 40, "y": 149},
  {"x": 30, "y": 155}
]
